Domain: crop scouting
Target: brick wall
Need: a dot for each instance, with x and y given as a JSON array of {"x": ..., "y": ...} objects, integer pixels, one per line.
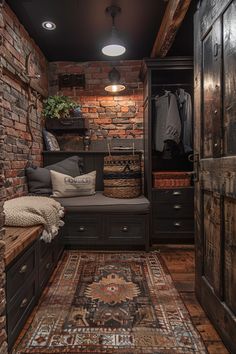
[
  {"x": 17, "y": 99},
  {"x": 17, "y": 93},
  {"x": 121, "y": 113}
]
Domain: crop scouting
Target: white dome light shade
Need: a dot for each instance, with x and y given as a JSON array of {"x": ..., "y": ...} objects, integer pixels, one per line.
[
  {"x": 113, "y": 50},
  {"x": 115, "y": 88},
  {"x": 49, "y": 25},
  {"x": 114, "y": 46}
]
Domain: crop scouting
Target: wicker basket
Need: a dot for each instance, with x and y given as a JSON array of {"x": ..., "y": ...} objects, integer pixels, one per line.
[
  {"x": 171, "y": 179},
  {"x": 122, "y": 176}
]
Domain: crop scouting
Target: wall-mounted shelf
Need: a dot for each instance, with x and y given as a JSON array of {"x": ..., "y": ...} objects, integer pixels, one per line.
[{"x": 67, "y": 125}]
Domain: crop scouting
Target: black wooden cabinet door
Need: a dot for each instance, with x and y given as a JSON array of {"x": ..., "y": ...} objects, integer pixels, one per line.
[{"x": 215, "y": 164}]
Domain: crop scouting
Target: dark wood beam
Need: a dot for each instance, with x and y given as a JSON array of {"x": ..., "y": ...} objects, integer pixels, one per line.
[{"x": 171, "y": 22}]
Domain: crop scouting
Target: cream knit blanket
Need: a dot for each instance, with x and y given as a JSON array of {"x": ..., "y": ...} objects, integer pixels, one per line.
[{"x": 29, "y": 211}]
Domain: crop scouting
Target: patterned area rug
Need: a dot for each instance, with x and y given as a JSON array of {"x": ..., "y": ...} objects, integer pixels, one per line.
[{"x": 110, "y": 303}]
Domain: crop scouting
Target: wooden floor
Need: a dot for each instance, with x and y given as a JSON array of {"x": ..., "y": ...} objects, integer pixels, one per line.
[{"x": 180, "y": 262}]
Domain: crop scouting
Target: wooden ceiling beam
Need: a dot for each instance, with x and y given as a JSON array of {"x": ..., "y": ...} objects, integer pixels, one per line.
[{"x": 171, "y": 22}]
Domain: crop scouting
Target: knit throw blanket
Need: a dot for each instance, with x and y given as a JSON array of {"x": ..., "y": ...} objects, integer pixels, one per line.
[{"x": 29, "y": 211}]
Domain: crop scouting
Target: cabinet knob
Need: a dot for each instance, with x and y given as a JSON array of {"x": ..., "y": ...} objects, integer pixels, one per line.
[
  {"x": 177, "y": 193},
  {"x": 82, "y": 229},
  {"x": 23, "y": 269},
  {"x": 124, "y": 229},
  {"x": 177, "y": 206},
  {"x": 177, "y": 224},
  {"x": 24, "y": 302}
]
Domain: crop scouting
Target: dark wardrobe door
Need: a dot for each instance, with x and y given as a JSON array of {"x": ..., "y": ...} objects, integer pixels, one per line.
[{"x": 215, "y": 164}]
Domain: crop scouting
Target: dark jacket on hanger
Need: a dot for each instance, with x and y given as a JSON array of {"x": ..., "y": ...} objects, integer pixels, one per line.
[
  {"x": 167, "y": 125},
  {"x": 185, "y": 109}
]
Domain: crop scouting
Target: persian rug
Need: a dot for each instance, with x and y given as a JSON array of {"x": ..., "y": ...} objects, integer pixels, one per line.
[{"x": 102, "y": 302}]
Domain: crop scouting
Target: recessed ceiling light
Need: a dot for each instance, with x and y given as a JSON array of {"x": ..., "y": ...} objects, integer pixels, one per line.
[{"x": 48, "y": 25}]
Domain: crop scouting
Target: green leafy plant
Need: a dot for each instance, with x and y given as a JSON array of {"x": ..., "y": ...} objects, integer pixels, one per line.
[{"x": 58, "y": 107}]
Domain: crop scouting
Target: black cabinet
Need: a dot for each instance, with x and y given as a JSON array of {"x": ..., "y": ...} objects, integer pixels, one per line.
[
  {"x": 99, "y": 230},
  {"x": 21, "y": 290},
  {"x": 172, "y": 215},
  {"x": 26, "y": 277},
  {"x": 171, "y": 208}
]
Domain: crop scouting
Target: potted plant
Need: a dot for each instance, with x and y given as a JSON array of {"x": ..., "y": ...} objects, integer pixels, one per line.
[{"x": 62, "y": 113}]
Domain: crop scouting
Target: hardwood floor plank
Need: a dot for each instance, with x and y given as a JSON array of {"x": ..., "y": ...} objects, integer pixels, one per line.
[{"x": 180, "y": 261}]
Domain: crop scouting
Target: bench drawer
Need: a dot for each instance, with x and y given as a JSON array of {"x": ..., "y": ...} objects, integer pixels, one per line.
[
  {"x": 20, "y": 309},
  {"x": 124, "y": 227},
  {"x": 19, "y": 272},
  {"x": 80, "y": 227}
]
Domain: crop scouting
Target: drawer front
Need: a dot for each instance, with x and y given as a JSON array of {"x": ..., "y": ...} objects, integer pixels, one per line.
[
  {"x": 183, "y": 195},
  {"x": 88, "y": 227},
  {"x": 19, "y": 311},
  {"x": 122, "y": 227},
  {"x": 45, "y": 270},
  {"x": 172, "y": 210},
  {"x": 173, "y": 225},
  {"x": 19, "y": 272}
]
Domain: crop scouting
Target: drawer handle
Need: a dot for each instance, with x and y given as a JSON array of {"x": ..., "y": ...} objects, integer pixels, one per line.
[
  {"x": 23, "y": 269},
  {"x": 48, "y": 265},
  {"x": 177, "y": 206},
  {"x": 177, "y": 224},
  {"x": 124, "y": 229},
  {"x": 24, "y": 302},
  {"x": 82, "y": 229},
  {"x": 177, "y": 193}
]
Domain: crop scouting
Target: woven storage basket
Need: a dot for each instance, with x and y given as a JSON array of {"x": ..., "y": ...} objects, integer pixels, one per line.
[
  {"x": 171, "y": 179},
  {"x": 122, "y": 176}
]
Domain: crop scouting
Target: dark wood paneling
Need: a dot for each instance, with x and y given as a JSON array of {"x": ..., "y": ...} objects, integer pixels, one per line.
[
  {"x": 212, "y": 92},
  {"x": 212, "y": 240},
  {"x": 230, "y": 254},
  {"x": 93, "y": 161},
  {"x": 210, "y": 10},
  {"x": 229, "y": 30},
  {"x": 219, "y": 175},
  {"x": 216, "y": 189}
]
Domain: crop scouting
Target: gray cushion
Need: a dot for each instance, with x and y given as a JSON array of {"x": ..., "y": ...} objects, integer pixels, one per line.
[
  {"x": 39, "y": 179},
  {"x": 100, "y": 203}
]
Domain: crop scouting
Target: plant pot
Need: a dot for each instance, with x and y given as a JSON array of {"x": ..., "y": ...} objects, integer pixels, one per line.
[{"x": 66, "y": 124}]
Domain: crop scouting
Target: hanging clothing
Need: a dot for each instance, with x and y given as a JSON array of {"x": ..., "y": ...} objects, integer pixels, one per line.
[
  {"x": 167, "y": 125},
  {"x": 185, "y": 109}
]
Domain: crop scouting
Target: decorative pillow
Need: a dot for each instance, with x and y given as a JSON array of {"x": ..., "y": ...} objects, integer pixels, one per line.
[
  {"x": 39, "y": 179},
  {"x": 67, "y": 186},
  {"x": 50, "y": 140}
]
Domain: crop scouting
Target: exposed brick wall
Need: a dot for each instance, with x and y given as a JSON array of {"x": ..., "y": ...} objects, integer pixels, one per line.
[
  {"x": 15, "y": 139},
  {"x": 16, "y": 45},
  {"x": 120, "y": 113}
]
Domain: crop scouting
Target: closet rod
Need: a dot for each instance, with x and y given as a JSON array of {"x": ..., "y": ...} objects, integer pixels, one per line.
[{"x": 170, "y": 85}]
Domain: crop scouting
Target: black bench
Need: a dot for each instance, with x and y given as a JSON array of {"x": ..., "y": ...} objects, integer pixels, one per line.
[{"x": 97, "y": 221}]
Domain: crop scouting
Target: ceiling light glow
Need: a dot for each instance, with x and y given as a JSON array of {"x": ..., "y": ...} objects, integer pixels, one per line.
[
  {"x": 48, "y": 25},
  {"x": 113, "y": 50}
]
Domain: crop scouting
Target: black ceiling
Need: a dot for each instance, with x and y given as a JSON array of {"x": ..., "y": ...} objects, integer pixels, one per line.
[{"x": 83, "y": 25}]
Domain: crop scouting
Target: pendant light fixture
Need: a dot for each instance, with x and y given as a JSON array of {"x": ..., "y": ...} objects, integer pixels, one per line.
[
  {"x": 114, "y": 46},
  {"x": 115, "y": 85}
]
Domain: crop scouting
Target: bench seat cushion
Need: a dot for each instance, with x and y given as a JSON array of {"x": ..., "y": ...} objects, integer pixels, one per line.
[{"x": 99, "y": 203}]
